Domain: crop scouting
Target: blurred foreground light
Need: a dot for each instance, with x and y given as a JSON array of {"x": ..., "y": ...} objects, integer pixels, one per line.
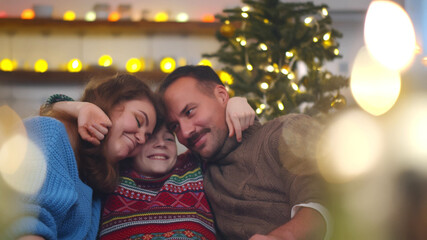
[
  {"x": 208, "y": 18},
  {"x": 133, "y": 65},
  {"x": 389, "y": 34},
  {"x": 410, "y": 132},
  {"x": 22, "y": 165},
  {"x": 28, "y": 14},
  {"x": 105, "y": 61},
  {"x": 351, "y": 146},
  {"x": 114, "y": 17},
  {"x": 74, "y": 65},
  {"x": 41, "y": 66},
  {"x": 167, "y": 65},
  {"x": 374, "y": 87}
]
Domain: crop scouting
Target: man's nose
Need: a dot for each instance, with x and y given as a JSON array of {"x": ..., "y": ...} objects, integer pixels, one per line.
[{"x": 187, "y": 129}]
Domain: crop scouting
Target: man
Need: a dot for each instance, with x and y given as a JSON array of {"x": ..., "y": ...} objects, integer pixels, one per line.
[{"x": 265, "y": 187}]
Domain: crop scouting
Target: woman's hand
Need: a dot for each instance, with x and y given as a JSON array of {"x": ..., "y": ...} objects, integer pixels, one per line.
[
  {"x": 93, "y": 123},
  {"x": 239, "y": 116}
]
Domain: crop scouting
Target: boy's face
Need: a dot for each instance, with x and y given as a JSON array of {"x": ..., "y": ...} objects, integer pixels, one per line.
[
  {"x": 197, "y": 118},
  {"x": 158, "y": 155}
]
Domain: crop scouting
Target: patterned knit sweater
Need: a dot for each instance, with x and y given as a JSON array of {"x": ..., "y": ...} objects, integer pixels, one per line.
[
  {"x": 64, "y": 207},
  {"x": 170, "y": 207}
]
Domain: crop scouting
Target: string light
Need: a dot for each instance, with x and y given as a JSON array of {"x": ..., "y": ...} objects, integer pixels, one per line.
[
  {"x": 258, "y": 111},
  {"x": 41, "y": 66},
  {"x": 280, "y": 105},
  {"x": 294, "y": 86},
  {"x": 114, "y": 17},
  {"x": 182, "y": 17},
  {"x": 249, "y": 67},
  {"x": 205, "y": 62},
  {"x": 90, "y": 16},
  {"x": 69, "y": 16},
  {"x": 308, "y": 20},
  {"x": 133, "y": 65},
  {"x": 291, "y": 76},
  {"x": 105, "y": 61},
  {"x": 324, "y": 12},
  {"x": 270, "y": 68},
  {"x": 245, "y": 9},
  {"x": 289, "y": 54},
  {"x": 264, "y": 85},
  {"x": 243, "y": 42},
  {"x": 226, "y": 78},
  {"x": 327, "y": 36},
  {"x": 6, "y": 65},
  {"x": 74, "y": 65},
  {"x": 336, "y": 51},
  {"x": 167, "y": 65},
  {"x": 245, "y": 15},
  {"x": 28, "y": 14},
  {"x": 161, "y": 17},
  {"x": 315, "y": 39},
  {"x": 263, "y": 47},
  {"x": 262, "y": 106},
  {"x": 285, "y": 69}
]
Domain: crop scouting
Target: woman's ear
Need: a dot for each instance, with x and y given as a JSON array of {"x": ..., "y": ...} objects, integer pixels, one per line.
[{"x": 221, "y": 94}]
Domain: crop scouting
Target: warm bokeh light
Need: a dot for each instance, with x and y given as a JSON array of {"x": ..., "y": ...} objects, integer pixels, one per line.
[
  {"x": 205, "y": 62},
  {"x": 74, "y": 65},
  {"x": 280, "y": 105},
  {"x": 208, "y": 18},
  {"x": 182, "y": 61},
  {"x": 182, "y": 17},
  {"x": 3, "y": 14},
  {"x": 41, "y": 66},
  {"x": 263, "y": 47},
  {"x": 6, "y": 65},
  {"x": 133, "y": 65},
  {"x": 167, "y": 65},
  {"x": 389, "y": 34},
  {"x": 374, "y": 87},
  {"x": 264, "y": 85},
  {"x": 69, "y": 16},
  {"x": 161, "y": 17},
  {"x": 249, "y": 67},
  {"x": 19, "y": 157},
  {"x": 410, "y": 132},
  {"x": 351, "y": 146},
  {"x": 226, "y": 78},
  {"x": 90, "y": 16},
  {"x": 28, "y": 14},
  {"x": 114, "y": 17},
  {"x": 105, "y": 61}
]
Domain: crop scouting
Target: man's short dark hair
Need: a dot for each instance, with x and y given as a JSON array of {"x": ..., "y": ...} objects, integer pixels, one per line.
[{"x": 205, "y": 75}]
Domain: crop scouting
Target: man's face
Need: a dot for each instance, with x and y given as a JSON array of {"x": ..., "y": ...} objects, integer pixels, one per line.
[{"x": 198, "y": 119}]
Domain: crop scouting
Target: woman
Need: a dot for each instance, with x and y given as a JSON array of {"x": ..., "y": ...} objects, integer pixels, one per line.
[{"x": 68, "y": 205}]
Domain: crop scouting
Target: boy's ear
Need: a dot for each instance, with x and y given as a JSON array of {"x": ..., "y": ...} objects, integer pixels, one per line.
[{"x": 221, "y": 94}]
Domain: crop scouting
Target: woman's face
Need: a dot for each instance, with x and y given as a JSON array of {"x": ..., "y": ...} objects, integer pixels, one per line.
[
  {"x": 158, "y": 156},
  {"x": 132, "y": 122}
]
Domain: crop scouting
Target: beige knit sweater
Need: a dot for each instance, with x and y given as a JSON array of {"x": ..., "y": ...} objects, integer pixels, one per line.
[{"x": 253, "y": 185}]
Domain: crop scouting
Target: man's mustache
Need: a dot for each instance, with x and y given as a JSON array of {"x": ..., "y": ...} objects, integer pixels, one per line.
[{"x": 195, "y": 136}]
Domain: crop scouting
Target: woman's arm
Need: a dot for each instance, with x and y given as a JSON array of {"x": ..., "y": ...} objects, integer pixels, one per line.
[
  {"x": 31, "y": 237},
  {"x": 239, "y": 116}
]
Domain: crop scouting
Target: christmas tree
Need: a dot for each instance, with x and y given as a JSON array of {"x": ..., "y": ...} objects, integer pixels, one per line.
[{"x": 273, "y": 53}]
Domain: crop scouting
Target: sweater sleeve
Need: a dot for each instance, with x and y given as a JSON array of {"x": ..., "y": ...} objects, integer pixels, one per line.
[{"x": 49, "y": 164}]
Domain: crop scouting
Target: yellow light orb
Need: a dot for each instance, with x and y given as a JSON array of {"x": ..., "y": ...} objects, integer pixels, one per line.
[
  {"x": 90, "y": 16},
  {"x": 263, "y": 47},
  {"x": 351, "y": 146},
  {"x": 133, "y": 65},
  {"x": 308, "y": 20},
  {"x": 269, "y": 68},
  {"x": 69, "y": 16},
  {"x": 105, "y": 61},
  {"x": 291, "y": 76},
  {"x": 374, "y": 87},
  {"x": 315, "y": 39},
  {"x": 243, "y": 42},
  {"x": 226, "y": 78},
  {"x": 262, "y": 106},
  {"x": 114, "y": 17},
  {"x": 41, "y": 66},
  {"x": 289, "y": 54},
  {"x": 280, "y": 105},
  {"x": 266, "y": 21},
  {"x": 295, "y": 86},
  {"x": 28, "y": 14},
  {"x": 182, "y": 17},
  {"x": 336, "y": 51},
  {"x": 74, "y": 65},
  {"x": 249, "y": 67},
  {"x": 285, "y": 69},
  {"x": 389, "y": 34},
  {"x": 245, "y": 15},
  {"x": 245, "y": 8},
  {"x": 324, "y": 12},
  {"x": 264, "y": 85},
  {"x": 167, "y": 65},
  {"x": 258, "y": 111},
  {"x": 161, "y": 17},
  {"x": 6, "y": 65},
  {"x": 327, "y": 36},
  {"x": 205, "y": 62}
]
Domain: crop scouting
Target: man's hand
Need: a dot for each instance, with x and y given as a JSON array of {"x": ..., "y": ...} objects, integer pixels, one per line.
[
  {"x": 239, "y": 116},
  {"x": 93, "y": 123}
]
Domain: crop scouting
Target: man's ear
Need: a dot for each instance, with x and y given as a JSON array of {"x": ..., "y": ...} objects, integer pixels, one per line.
[{"x": 221, "y": 94}]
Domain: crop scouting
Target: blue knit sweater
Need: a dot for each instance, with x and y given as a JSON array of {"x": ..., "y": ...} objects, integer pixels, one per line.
[{"x": 64, "y": 208}]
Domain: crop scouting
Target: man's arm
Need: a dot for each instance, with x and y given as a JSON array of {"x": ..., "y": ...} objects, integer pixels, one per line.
[{"x": 306, "y": 224}]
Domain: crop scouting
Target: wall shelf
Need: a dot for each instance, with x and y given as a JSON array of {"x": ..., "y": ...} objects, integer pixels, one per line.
[
  {"x": 60, "y": 77},
  {"x": 14, "y": 25}
]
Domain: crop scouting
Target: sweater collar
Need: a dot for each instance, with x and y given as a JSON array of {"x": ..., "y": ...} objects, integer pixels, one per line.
[{"x": 231, "y": 144}]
